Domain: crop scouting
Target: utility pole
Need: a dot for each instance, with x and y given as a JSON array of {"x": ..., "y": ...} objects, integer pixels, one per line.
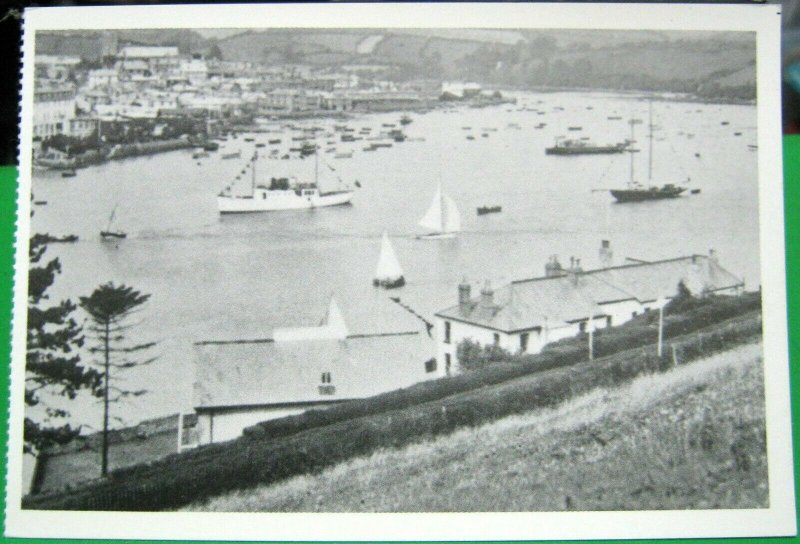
[{"x": 661, "y": 303}]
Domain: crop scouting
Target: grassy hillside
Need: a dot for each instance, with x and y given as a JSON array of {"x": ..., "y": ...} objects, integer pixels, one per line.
[
  {"x": 277, "y": 450},
  {"x": 691, "y": 438}
]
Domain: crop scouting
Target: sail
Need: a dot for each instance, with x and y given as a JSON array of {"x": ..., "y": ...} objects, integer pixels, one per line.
[
  {"x": 388, "y": 266},
  {"x": 452, "y": 221},
  {"x": 433, "y": 218}
]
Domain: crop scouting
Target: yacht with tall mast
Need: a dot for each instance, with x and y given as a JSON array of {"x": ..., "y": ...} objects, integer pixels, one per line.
[
  {"x": 635, "y": 191},
  {"x": 388, "y": 273},
  {"x": 442, "y": 217},
  {"x": 281, "y": 193}
]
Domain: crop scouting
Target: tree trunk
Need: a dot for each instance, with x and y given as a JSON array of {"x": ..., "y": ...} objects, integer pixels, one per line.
[{"x": 104, "y": 465}]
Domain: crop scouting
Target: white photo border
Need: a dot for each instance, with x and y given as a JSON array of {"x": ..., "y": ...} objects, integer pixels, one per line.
[{"x": 777, "y": 520}]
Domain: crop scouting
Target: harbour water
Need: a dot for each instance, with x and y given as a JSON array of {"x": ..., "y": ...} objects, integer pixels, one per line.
[{"x": 227, "y": 277}]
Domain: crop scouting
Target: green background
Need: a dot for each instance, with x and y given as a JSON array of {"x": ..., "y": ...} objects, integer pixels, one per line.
[{"x": 791, "y": 152}]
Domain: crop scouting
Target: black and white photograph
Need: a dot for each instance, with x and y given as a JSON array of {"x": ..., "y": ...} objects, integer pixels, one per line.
[{"x": 390, "y": 260}]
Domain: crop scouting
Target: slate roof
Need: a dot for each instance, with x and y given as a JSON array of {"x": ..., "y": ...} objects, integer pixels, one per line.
[
  {"x": 527, "y": 304},
  {"x": 265, "y": 372}
]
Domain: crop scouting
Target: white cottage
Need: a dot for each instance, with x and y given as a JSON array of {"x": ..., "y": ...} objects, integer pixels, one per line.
[
  {"x": 242, "y": 382},
  {"x": 523, "y": 316}
]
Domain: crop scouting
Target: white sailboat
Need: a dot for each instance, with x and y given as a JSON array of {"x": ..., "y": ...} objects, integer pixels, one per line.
[
  {"x": 388, "y": 273},
  {"x": 442, "y": 218}
]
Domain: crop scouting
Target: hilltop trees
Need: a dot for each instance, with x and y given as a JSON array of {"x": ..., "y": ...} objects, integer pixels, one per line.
[
  {"x": 53, "y": 366},
  {"x": 108, "y": 307}
]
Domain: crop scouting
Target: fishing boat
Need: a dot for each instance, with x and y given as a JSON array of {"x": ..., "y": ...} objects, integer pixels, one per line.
[
  {"x": 109, "y": 234},
  {"x": 210, "y": 146},
  {"x": 69, "y": 173},
  {"x": 405, "y": 120},
  {"x": 636, "y": 192},
  {"x": 281, "y": 194},
  {"x": 442, "y": 218},
  {"x": 584, "y": 146},
  {"x": 388, "y": 273},
  {"x": 232, "y": 155}
]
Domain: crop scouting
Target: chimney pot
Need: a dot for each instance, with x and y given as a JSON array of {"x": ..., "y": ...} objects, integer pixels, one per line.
[
  {"x": 464, "y": 296},
  {"x": 553, "y": 267},
  {"x": 487, "y": 295}
]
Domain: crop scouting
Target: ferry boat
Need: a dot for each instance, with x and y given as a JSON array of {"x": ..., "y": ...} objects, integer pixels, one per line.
[{"x": 281, "y": 194}]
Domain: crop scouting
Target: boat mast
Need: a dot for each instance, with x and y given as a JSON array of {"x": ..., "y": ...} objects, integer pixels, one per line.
[
  {"x": 632, "y": 122},
  {"x": 111, "y": 218},
  {"x": 253, "y": 175},
  {"x": 650, "y": 149}
]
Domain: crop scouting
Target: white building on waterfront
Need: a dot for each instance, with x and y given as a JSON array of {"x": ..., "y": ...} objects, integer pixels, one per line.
[
  {"x": 242, "y": 382},
  {"x": 53, "y": 108},
  {"x": 526, "y": 314}
]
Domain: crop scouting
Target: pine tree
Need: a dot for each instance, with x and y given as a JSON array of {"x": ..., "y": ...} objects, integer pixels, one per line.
[
  {"x": 108, "y": 307},
  {"x": 53, "y": 365}
]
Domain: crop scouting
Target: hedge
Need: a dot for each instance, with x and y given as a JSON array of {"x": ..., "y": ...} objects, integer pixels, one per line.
[
  {"x": 637, "y": 332},
  {"x": 181, "y": 479}
]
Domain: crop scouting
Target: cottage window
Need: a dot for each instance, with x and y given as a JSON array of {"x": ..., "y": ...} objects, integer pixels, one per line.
[
  {"x": 634, "y": 314},
  {"x": 496, "y": 339},
  {"x": 523, "y": 342},
  {"x": 608, "y": 321},
  {"x": 326, "y": 377},
  {"x": 582, "y": 326},
  {"x": 430, "y": 365},
  {"x": 446, "y": 332},
  {"x": 447, "y": 363}
]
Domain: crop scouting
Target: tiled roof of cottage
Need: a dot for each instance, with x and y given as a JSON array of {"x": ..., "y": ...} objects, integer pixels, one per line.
[
  {"x": 527, "y": 304},
  {"x": 266, "y": 372},
  {"x": 365, "y": 355}
]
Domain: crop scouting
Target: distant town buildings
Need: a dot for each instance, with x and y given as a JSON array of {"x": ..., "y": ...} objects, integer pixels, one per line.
[
  {"x": 523, "y": 316},
  {"x": 53, "y": 108}
]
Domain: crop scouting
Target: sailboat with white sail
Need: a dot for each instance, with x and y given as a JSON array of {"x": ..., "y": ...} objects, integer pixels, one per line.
[
  {"x": 442, "y": 218},
  {"x": 109, "y": 234},
  {"x": 388, "y": 273}
]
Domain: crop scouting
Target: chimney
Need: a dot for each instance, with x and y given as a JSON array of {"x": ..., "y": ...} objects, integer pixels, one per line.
[
  {"x": 574, "y": 270},
  {"x": 464, "y": 294},
  {"x": 487, "y": 295},
  {"x": 606, "y": 254},
  {"x": 553, "y": 267},
  {"x": 712, "y": 256}
]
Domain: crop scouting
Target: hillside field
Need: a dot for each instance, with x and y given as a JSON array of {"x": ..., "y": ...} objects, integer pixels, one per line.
[{"x": 693, "y": 438}]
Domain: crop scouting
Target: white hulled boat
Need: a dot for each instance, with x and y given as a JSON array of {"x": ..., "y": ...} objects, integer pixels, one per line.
[
  {"x": 442, "y": 217},
  {"x": 280, "y": 194},
  {"x": 388, "y": 273}
]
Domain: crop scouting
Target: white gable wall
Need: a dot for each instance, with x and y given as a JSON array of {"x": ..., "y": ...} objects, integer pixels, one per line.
[
  {"x": 620, "y": 312},
  {"x": 224, "y": 425}
]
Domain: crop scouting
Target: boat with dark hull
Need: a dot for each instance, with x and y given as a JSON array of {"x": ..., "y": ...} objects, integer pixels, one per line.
[
  {"x": 637, "y": 192},
  {"x": 584, "y": 147},
  {"x": 633, "y": 194}
]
